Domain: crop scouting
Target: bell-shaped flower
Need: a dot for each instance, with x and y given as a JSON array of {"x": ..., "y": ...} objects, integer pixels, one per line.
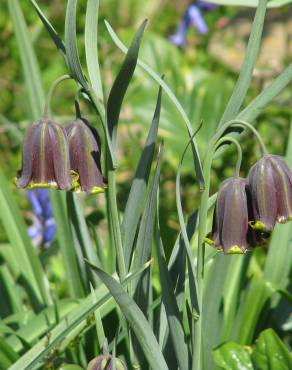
[
  {"x": 105, "y": 362},
  {"x": 45, "y": 157},
  {"x": 270, "y": 182},
  {"x": 230, "y": 221},
  {"x": 84, "y": 149}
]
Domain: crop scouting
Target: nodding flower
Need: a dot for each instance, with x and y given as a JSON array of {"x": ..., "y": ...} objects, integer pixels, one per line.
[
  {"x": 105, "y": 361},
  {"x": 45, "y": 157},
  {"x": 231, "y": 231},
  {"x": 270, "y": 182},
  {"x": 84, "y": 149},
  {"x": 193, "y": 16}
]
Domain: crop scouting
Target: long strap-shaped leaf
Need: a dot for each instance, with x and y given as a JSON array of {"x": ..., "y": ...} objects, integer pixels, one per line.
[
  {"x": 171, "y": 308},
  {"x": 53, "y": 33},
  {"x": 91, "y": 51},
  {"x": 172, "y": 97},
  {"x": 136, "y": 197},
  {"x": 28, "y": 60},
  {"x": 144, "y": 240},
  {"x": 137, "y": 321},
  {"x": 73, "y": 60},
  {"x": 120, "y": 87},
  {"x": 245, "y": 76},
  {"x": 43, "y": 347}
]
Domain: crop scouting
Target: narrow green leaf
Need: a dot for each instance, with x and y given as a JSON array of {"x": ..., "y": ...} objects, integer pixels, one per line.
[
  {"x": 245, "y": 76},
  {"x": 28, "y": 60},
  {"x": 172, "y": 311},
  {"x": 120, "y": 87},
  {"x": 81, "y": 235},
  {"x": 172, "y": 97},
  {"x": 231, "y": 293},
  {"x": 185, "y": 236},
  {"x": 232, "y": 356},
  {"x": 98, "y": 323},
  {"x": 7, "y": 354},
  {"x": 215, "y": 276},
  {"x": 33, "y": 277},
  {"x": 136, "y": 196},
  {"x": 253, "y": 110},
  {"x": 91, "y": 51},
  {"x": 65, "y": 239},
  {"x": 271, "y": 353},
  {"x": 55, "y": 337},
  {"x": 52, "y": 32},
  {"x": 144, "y": 240},
  {"x": 137, "y": 321},
  {"x": 33, "y": 327},
  {"x": 73, "y": 60},
  {"x": 253, "y": 301}
]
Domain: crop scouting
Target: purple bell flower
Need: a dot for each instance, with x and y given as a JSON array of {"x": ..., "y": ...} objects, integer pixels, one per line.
[
  {"x": 193, "y": 16},
  {"x": 43, "y": 228}
]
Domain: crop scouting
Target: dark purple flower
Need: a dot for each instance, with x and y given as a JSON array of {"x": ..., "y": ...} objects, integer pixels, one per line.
[
  {"x": 270, "y": 182},
  {"x": 45, "y": 157},
  {"x": 43, "y": 228},
  {"x": 230, "y": 222},
  {"x": 84, "y": 149}
]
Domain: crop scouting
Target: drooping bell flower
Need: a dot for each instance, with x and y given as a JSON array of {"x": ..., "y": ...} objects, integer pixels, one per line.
[
  {"x": 270, "y": 182},
  {"x": 106, "y": 361},
  {"x": 45, "y": 157},
  {"x": 84, "y": 149},
  {"x": 230, "y": 221}
]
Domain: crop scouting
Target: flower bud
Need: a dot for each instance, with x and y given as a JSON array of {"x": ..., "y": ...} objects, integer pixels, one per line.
[
  {"x": 45, "y": 157},
  {"x": 270, "y": 182},
  {"x": 84, "y": 149},
  {"x": 105, "y": 362},
  {"x": 230, "y": 222}
]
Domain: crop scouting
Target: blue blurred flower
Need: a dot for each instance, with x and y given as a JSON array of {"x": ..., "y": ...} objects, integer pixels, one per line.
[
  {"x": 193, "y": 16},
  {"x": 43, "y": 228}
]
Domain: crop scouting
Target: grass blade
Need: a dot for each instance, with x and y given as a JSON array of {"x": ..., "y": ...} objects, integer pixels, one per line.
[
  {"x": 28, "y": 60},
  {"x": 120, "y": 87},
  {"x": 136, "y": 196},
  {"x": 32, "y": 273},
  {"x": 73, "y": 60},
  {"x": 91, "y": 51},
  {"x": 53, "y": 33},
  {"x": 65, "y": 239},
  {"x": 137, "y": 321},
  {"x": 144, "y": 240},
  {"x": 44, "y": 346},
  {"x": 172, "y": 97},
  {"x": 171, "y": 308},
  {"x": 81, "y": 235},
  {"x": 245, "y": 76},
  {"x": 252, "y": 111}
]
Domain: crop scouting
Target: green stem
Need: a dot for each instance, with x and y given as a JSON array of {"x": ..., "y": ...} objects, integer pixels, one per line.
[
  {"x": 116, "y": 228},
  {"x": 255, "y": 132},
  {"x": 47, "y": 108},
  {"x": 239, "y": 152},
  {"x": 197, "y": 363}
]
